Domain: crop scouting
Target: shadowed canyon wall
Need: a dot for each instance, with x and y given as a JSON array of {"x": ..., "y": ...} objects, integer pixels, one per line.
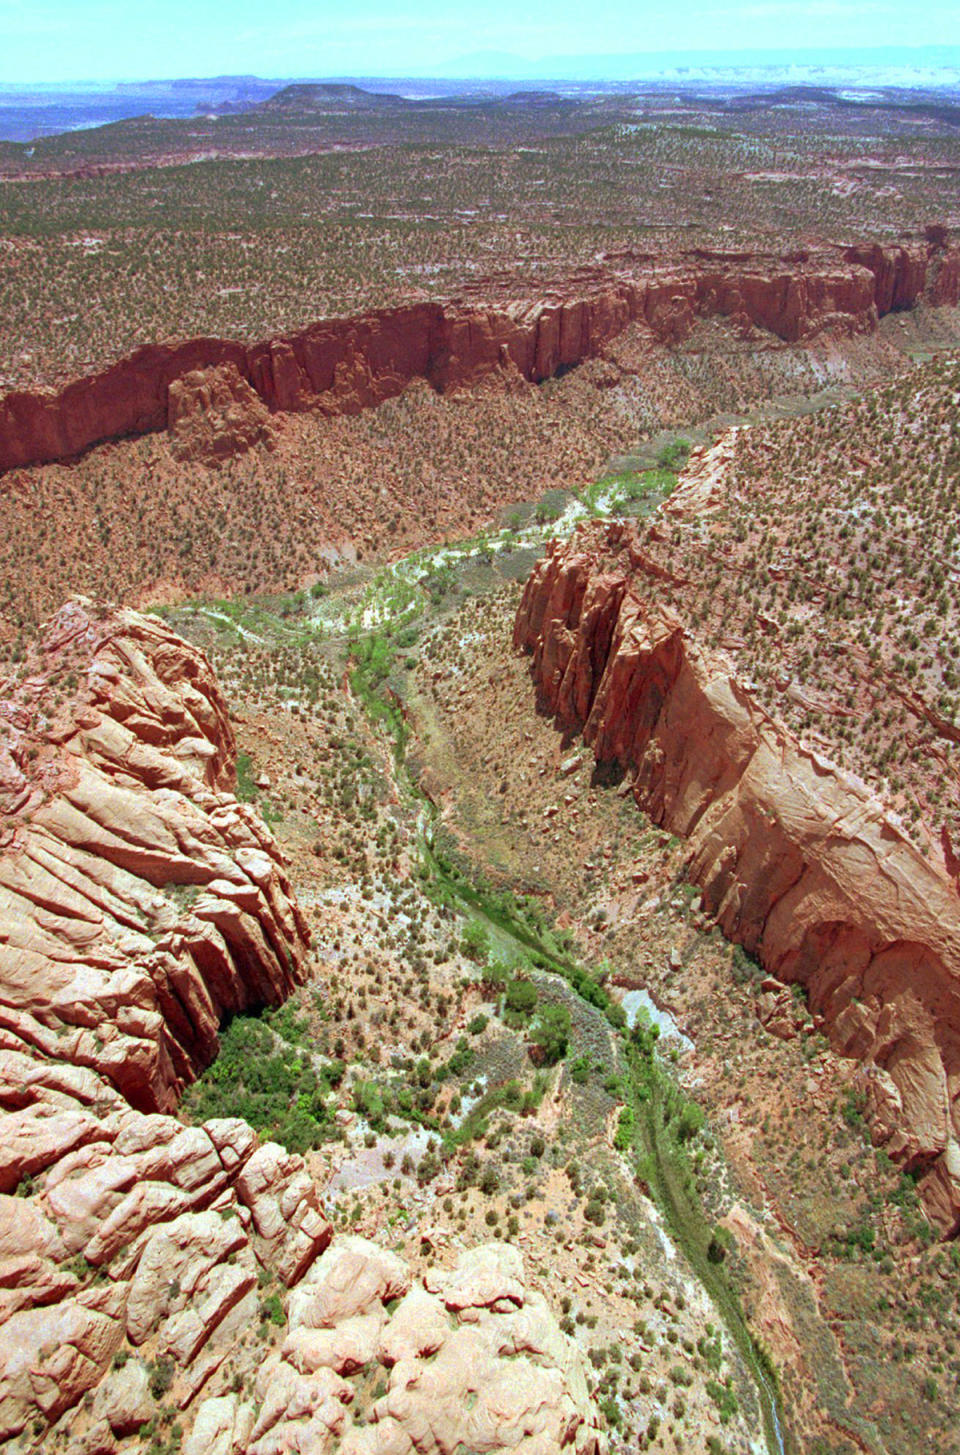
[
  {"x": 798, "y": 861},
  {"x": 344, "y": 365}
]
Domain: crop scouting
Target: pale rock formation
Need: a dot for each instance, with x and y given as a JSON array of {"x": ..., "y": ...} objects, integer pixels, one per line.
[
  {"x": 480, "y": 1365},
  {"x": 124, "y": 1400},
  {"x": 139, "y": 904},
  {"x": 351, "y": 1276}
]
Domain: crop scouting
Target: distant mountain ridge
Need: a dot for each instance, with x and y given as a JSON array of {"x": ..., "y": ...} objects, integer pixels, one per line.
[{"x": 781, "y": 64}]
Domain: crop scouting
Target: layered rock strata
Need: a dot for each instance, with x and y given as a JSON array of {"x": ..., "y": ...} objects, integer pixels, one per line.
[
  {"x": 344, "y": 365},
  {"x": 140, "y": 903},
  {"x": 798, "y": 860}
]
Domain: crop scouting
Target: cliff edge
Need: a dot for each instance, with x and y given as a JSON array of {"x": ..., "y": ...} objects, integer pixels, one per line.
[
  {"x": 798, "y": 860},
  {"x": 345, "y": 365}
]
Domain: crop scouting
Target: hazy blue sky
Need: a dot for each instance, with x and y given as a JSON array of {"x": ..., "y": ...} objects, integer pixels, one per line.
[{"x": 74, "y": 39}]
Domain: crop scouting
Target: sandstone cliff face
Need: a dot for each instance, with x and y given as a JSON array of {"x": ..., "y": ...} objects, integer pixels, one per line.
[
  {"x": 140, "y": 901},
  {"x": 798, "y": 861},
  {"x": 139, "y": 904},
  {"x": 344, "y": 365}
]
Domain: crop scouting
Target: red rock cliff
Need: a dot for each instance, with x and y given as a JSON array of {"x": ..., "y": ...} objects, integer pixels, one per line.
[
  {"x": 344, "y": 365},
  {"x": 797, "y": 860}
]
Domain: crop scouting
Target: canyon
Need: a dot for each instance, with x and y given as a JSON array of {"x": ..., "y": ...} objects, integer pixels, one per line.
[
  {"x": 799, "y": 862},
  {"x": 141, "y": 906},
  {"x": 479, "y": 779},
  {"x": 346, "y": 365}
]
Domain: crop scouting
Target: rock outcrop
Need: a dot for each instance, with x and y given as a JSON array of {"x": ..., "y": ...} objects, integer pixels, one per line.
[
  {"x": 142, "y": 1260},
  {"x": 344, "y": 365},
  {"x": 140, "y": 902},
  {"x": 798, "y": 861},
  {"x": 213, "y": 414},
  {"x": 470, "y": 1360}
]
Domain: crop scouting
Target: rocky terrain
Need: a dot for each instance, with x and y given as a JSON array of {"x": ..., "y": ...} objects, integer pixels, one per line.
[
  {"x": 346, "y": 365},
  {"x": 255, "y": 226},
  {"x": 234, "y": 497},
  {"x": 835, "y": 1261},
  {"x": 478, "y": 958},
  {"x": 141, "y": 905}
]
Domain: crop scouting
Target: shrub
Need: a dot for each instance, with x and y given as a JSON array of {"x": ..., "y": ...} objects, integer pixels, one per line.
[
  {"x": 720, "y": 1244},
  {"x": 594, "y": 1211},
  {"x": 623, "y": 1138},
  {"x": 691, "y": 1121},
  {"x": 520, "y": 1001},
  {"x": 271, "y": 1310},
  {"x": 551, "y": 1032},
  {"x": 674, "y": 455},
  {"x": 475, "y": 942},
  {"x": 161, "y": 1372},
  {"x": 724, "y": 1398}
]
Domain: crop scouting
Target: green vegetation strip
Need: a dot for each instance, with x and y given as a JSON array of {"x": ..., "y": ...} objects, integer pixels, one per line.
[
  {"x": 657, "y": 1119},
  {"x": 656, "y": 1123},
  {"x": 659, "y": 1122}
]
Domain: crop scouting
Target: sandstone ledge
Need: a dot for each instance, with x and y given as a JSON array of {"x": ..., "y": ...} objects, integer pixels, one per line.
[{"x": 140, "y": 902}]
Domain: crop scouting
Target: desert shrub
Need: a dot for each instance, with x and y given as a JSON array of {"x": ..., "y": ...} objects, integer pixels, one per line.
[{"x": 550, "y": 1032}]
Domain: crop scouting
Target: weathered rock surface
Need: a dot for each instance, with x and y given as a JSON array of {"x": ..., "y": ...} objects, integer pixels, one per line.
[
  {"x": 139, "y": 901},
  {"x": 213, "y": 414},
  {"x": 139, "y": 904},
  {"x": 344, "y": 365},
  {"x": 350, "y": 1278},
  {"x": 481, "y": 1364},
  {"x": 799, "y": 861}
]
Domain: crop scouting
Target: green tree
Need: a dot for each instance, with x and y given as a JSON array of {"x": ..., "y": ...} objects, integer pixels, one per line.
[{"x": 551, "y": 1032}]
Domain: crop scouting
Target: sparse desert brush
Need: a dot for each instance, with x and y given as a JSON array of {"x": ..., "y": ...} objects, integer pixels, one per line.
[
  {"x": 828, "y": 580},
  {"x": 251, "y": 246}
]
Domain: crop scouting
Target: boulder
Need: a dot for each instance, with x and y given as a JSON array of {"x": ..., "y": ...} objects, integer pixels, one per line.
[
  {"x": 222, "y": 1426},
  {"x": 124, "y": 1400},
  {"x": 352, "y": 1277},
  {"x": 486, "y": 1277}
]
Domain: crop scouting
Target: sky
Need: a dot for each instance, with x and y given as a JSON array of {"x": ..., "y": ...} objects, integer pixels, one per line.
[{"x": 62, "y": 40}]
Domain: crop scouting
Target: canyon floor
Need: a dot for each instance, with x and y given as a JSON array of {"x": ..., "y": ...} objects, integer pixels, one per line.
[{"x": 822, "y": 1239}]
